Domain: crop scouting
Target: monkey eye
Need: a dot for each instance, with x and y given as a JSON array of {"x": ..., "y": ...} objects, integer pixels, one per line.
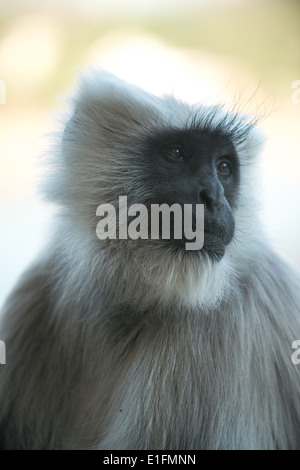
[
  {"x": 174, "y": 152},
  {"x": 224, "y": 167}
]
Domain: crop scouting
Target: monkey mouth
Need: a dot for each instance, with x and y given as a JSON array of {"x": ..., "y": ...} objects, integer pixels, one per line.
[
  {"x": 216, "y": 238},
  {"x": 214, "y": 245},
  {"x": 215, "y": 241}
]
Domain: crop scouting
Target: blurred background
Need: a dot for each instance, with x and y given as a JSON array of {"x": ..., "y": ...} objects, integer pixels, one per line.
[{"x": 245, "y": 52}]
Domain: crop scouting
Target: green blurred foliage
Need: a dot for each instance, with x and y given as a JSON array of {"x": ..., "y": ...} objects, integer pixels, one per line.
[{"x": 265, "y": 36}]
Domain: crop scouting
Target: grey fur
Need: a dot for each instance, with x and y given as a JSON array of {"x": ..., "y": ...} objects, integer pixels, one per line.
[{"x": 126, "y": 345}]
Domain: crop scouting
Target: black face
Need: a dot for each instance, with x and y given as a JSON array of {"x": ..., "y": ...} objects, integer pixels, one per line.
[{"x": 197, "y": 167}]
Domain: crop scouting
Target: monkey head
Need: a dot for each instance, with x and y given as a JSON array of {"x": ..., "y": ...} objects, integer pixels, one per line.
[{"x": 122, "y": 141}]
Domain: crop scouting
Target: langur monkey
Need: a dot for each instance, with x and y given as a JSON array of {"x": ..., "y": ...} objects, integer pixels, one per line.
[{"x": 142, "y": 344}]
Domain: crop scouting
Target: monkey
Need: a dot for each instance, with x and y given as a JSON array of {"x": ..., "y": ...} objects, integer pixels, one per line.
[{"x": 140, "y": 343}]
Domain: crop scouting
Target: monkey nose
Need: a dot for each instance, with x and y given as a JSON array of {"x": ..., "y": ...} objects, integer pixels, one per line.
[{"x": 211, "y": 199}]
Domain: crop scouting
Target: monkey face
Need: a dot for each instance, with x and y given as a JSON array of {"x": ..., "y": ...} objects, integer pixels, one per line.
[
  {"x": 122, "y": 141},
  {"x": 197, "y": 167}
]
